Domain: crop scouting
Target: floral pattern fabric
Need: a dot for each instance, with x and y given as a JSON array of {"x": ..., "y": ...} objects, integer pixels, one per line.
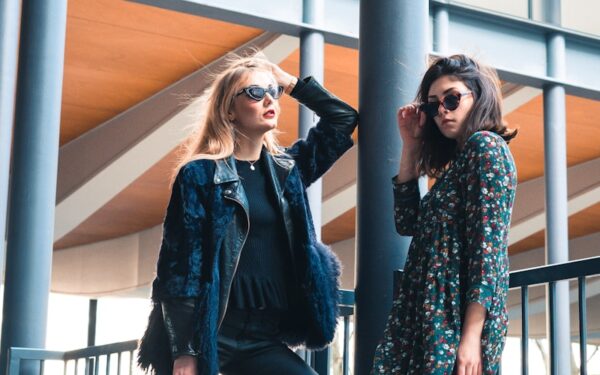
[{"x": 458, "y": 255}]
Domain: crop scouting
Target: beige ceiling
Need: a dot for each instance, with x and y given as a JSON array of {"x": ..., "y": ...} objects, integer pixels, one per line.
[{"x": 119, "y": 53}]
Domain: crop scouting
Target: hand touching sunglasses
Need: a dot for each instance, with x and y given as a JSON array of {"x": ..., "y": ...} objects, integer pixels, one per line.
[
  {"x": 258, "y": 93},
  {"x": 449, "y": 102}
]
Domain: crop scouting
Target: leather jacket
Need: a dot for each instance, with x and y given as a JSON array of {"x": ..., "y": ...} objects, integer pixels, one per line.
[{"x": 183, "y": 301}]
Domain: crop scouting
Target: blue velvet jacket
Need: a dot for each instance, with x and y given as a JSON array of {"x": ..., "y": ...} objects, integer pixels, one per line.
[{"x": 207, "y": 223}]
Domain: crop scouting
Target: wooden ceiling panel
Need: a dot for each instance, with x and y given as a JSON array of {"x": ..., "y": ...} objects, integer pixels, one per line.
[
  {"x": 140, "y": 206},
  {"x": 154, "y": 20},
  {"x": 583, "y": 132},
  {"x": 119, "y": 53},
  {"x": 528, "y": 146},
  {"x": 81, "y": 117},
  {"x": 341, "y": 228},
  {"x": 583, "y": 223}
]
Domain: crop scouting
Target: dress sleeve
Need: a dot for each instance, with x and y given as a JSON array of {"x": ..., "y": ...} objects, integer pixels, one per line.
[
  {"x": 406, "y": 206},
  {"x": 490, "y": 181},
  {"x": 330, "y": 138},
  {"x": 180, "y": 257}
]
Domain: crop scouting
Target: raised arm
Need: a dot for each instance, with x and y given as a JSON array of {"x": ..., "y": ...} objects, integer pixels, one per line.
[{"x": 330, "y": 138}]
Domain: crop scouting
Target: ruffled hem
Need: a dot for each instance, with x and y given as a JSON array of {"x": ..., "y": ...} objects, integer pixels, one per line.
[{"x": 257, "y": 293}]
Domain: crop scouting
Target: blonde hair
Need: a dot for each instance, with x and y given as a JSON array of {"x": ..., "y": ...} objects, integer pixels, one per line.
[{"x": 214, "y": 136}]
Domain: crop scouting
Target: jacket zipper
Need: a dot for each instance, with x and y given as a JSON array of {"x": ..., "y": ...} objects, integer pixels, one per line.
[{"x": 236, "y": 261}]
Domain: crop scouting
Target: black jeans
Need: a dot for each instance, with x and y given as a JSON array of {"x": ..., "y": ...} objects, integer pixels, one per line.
[{"x": 248, "y": 344}]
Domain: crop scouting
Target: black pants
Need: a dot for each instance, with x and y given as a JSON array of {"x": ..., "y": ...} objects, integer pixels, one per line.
[{"x": 248, "y": 344}]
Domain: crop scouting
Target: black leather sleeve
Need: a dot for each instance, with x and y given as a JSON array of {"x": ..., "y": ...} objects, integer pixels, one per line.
[
  {"x": 335, "y": 112},
  {"x": 178, "y": 315}
]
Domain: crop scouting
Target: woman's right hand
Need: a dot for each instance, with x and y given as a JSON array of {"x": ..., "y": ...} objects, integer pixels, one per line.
[
  {"x": 185, "y": 365},
  {"x": 410, "y": 123}
]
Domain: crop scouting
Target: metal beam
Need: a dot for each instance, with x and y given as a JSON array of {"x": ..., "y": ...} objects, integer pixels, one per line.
[
  {"x": 497, "y": 37},
  {"x": 33, "y": 181},
  {"x": 270, "y": 15}
]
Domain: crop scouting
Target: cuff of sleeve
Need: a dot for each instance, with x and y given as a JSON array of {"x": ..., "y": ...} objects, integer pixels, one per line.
[
  {"x": 178, "y": 318},
  {"x": 481, "y": 294},
  {"x": 299, "y": 85},
  {"x": 405, "y": 190}
]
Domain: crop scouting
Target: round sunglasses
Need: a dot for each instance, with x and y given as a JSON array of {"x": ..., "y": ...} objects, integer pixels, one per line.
[
  {"x": 258, "y": 93},
  {"x": 449, "y": 102}
]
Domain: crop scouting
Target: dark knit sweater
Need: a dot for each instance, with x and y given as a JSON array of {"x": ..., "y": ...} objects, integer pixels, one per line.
[{"x": 262, "y": 279}]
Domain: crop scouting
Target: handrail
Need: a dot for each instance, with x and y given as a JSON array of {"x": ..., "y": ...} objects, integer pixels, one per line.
[
  {"x": 555, "y": 272},
  {"x": 550, "y": 275},
  {"x": 17, "y": 354},
  {"x": 95, "y": 351}
]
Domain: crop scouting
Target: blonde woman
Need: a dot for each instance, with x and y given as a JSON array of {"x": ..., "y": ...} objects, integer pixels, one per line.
[{"x": 240, "y": 274}]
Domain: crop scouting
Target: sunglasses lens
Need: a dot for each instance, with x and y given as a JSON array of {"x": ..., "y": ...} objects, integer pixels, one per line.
[
  {"x": 451, "y": 102},
  {"x": 256, "y": 93}
]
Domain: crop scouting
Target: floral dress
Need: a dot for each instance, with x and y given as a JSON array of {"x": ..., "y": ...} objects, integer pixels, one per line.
[{"x": 458, "y": 255}]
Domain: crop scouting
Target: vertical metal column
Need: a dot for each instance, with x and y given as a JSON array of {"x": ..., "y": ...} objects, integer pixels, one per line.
[
  {"x": 312, "y": 45},
  {"x": 557, "y": 216},
  {"x": 10, "y": 16},
  {"x": 92, "y": 314},
  {"x": 393, "y": 53},
  {"x": 312, "y": 51},
  {"x": 33, "y": 180},
  {"x": 440, "y": 29}
]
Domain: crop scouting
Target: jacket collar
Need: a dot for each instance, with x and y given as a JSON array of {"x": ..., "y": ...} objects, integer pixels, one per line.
[
  {"x": 278, "y": 170},
  {"x": 225, "y": 171}
]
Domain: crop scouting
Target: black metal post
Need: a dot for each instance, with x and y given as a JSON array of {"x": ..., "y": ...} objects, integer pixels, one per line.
[
  {"x": 93, "y": 311},
  {"x": 392, "y": 58},
  {"x": 582, "y": 326},
  {"x": 525, "y": 330}
]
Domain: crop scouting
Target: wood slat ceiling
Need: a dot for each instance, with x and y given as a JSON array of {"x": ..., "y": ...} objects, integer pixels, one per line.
[{"x": 119, "y": 53}]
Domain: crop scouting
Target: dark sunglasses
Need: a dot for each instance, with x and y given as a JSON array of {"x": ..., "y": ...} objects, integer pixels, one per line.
[
  {"x": 450, "y": 102},
  {"x": 258, "y": 93}
]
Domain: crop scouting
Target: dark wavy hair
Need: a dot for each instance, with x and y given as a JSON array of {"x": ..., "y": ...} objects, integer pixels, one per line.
[{"x": 437, "y": 151}]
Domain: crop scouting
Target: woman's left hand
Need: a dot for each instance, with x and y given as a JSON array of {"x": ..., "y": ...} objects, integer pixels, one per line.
[
  {"x": 283, "y": 78},
  {"x": 468, "y": 360}
]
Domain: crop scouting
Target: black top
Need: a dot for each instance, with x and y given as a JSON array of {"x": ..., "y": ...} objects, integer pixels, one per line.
[{"x": 262, "y": 279}]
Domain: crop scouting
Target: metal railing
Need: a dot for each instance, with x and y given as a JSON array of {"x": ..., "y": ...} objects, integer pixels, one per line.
[
  {"x": 94, "y": 355},
  {"x": 322, "y": 359},
  {"x": 550, "y": 275}
]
